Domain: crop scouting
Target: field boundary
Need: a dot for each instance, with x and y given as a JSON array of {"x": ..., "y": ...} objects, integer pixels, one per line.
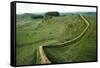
[{"x": 78, "y": 37}]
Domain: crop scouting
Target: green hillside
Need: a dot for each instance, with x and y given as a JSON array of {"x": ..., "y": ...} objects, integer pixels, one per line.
[
  {"x": 83, "y": 50},
  {"x": 32, "y": 33}
]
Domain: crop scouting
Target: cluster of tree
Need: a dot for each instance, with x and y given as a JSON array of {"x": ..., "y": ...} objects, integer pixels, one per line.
[
  {"x": 52, "y": 14},
  {"x": 36, "y": 16}
]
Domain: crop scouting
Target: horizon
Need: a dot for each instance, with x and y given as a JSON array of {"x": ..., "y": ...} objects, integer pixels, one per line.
[{"x": 56, "y": 11}]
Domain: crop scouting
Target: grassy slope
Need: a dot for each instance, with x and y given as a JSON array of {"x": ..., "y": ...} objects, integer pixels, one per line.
[
  {"x": 32, "y": 33},
  {"x": 83, "y": 50},
  {"x": 26, "y": 54}
]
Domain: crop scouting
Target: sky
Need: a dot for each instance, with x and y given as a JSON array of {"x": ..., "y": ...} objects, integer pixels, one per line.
[{"x": 41, "y": 8}]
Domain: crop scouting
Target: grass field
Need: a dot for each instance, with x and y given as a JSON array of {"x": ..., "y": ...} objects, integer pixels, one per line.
[{"x": 33, "y": 33}]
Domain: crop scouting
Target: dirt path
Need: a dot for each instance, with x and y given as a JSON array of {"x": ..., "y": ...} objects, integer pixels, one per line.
[
  {"x": 43, "y": 58},
  {"x": 84, "y": 19}
]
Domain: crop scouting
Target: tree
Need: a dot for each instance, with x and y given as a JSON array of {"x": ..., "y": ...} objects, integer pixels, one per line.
[{"x": 52, "y": 14}]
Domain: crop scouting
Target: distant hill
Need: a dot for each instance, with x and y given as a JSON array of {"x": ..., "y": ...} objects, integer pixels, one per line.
[
  {"x": 83, "y": 13},
  {"x": 41, "y": 15},
  {"x": 28, "y": 16},
  {"x": 89, "y": 13}
]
